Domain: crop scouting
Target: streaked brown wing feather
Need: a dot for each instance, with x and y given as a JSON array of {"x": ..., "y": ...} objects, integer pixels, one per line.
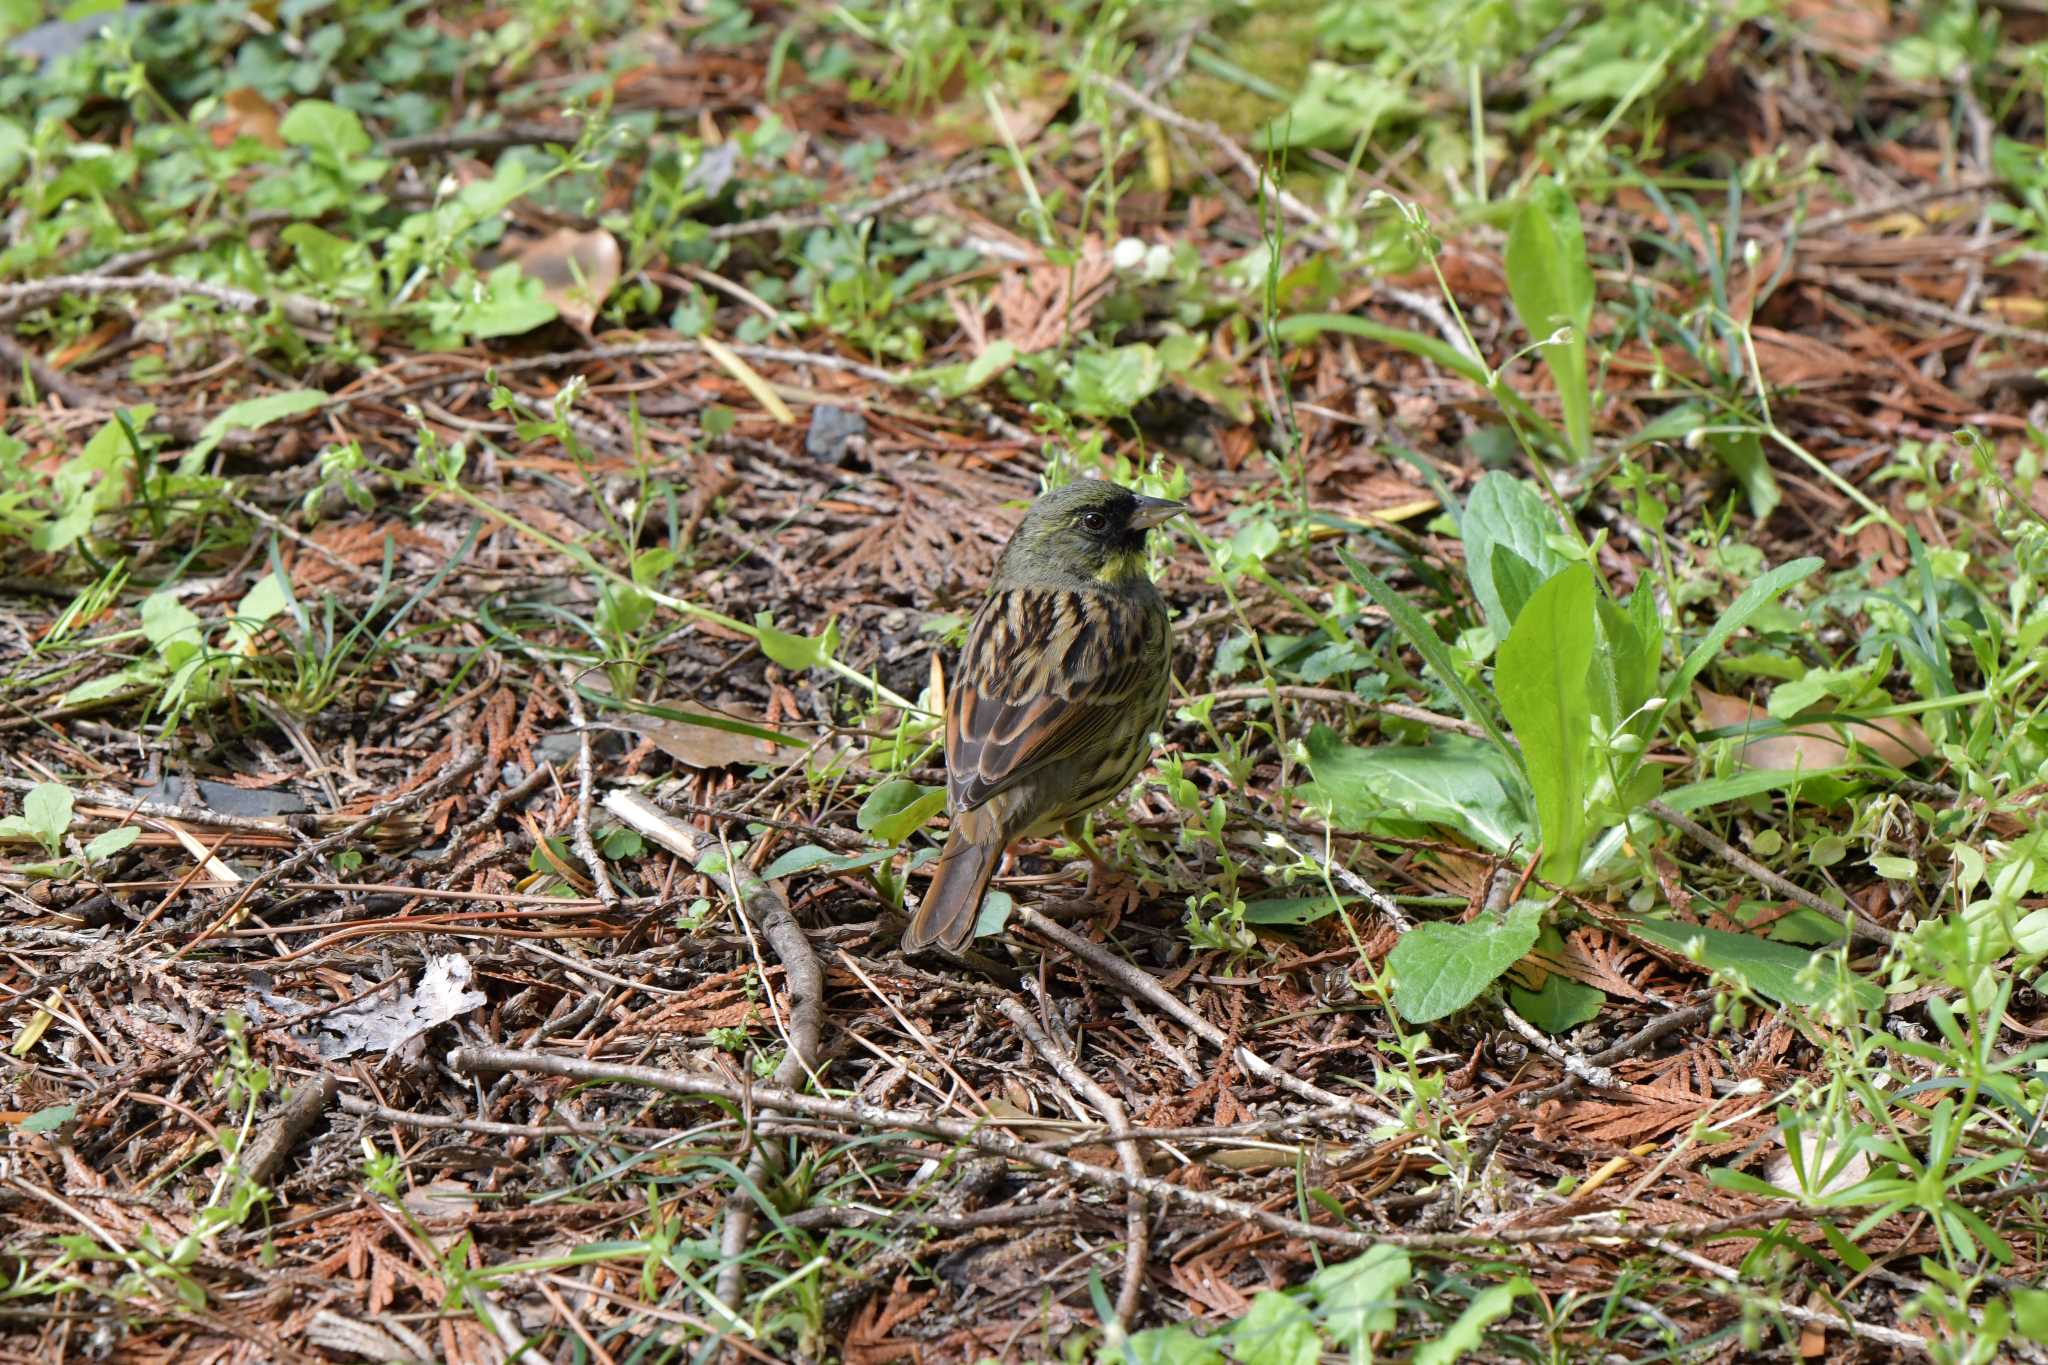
[{"x": 1046, "y": 674}]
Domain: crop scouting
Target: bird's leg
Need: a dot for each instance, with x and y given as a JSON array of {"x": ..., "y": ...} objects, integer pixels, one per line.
[
  {"x": 1107, "y": 887},
  {"x": 1077, "y": 830}
]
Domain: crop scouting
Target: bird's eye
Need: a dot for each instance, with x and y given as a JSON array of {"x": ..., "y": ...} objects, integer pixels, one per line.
[{"x": 1094, "y": 521}]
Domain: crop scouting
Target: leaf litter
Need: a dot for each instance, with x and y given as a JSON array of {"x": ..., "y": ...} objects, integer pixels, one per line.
[{"x": 475, "y": 906}]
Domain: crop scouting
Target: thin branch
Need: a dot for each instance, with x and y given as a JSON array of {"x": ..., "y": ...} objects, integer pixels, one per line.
[
  {"x": 303, "y": 312},
  {"x": 1112, "y": 1109},
  {"x": 586, "y": 847},
  {"x": 804, "y": 992},
  {"x": 1854, "y": 922}
]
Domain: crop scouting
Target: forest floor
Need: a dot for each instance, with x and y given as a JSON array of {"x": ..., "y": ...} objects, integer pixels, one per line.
[{"x": 488, "y": 499}]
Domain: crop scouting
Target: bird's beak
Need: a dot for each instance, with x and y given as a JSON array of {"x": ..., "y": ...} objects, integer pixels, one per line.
[{"x": 1155, "y": 511}]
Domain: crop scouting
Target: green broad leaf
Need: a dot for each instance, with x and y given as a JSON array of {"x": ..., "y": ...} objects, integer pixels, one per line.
[
  {"x": 321, "y": 254},
  {"x": 1624, "y": 671},
  {"x": 1275, "y": 1330},
  {"x": 1110, "y": 383},
  {"x": 251, "y": 414},
  {"x": 1741, "y": 786},
  {"x": 1468, "y": 1333},
  {"x": 1649, "y": 628},
  {"x": 898, "y": 808},
  {"x": 1515, "y": 581},
  {"x": 954, "y": 381},
  {"x": 47, "y": 812},
  {"x": 1848, "y": 685},
  {"x": 1504, "y": 512},
  {"x": 49, "y": 1120},
  {"x": 1742, "y": 452},
  {"x": 811, "y": 858},
  {"x": 1337, "y": 105},
  {"x": 1540, "y": 677},
  {"x": 1752, "y": 600},
  {"x": 1561, "y": 1006},
  {"x": 14, "y": 146},
  {"x": 1419, "y": 633},
  {"x": 109, "y": 842},
  {"x": 1793, "y": 976},
  {"x": 1440, "y": 968},
  {"x": 797, "y": 651},
  {"x": 512, "y": 303},
  {"x": 1359, "y": 1297},
  {"x": 1160, "y": 1346},
  {"x": 1457, "y": 782},
  {"x": 1309, "y": 909},
  {"x": 171, "y": 628},
  {"x": 112, "y": 684},
  {"x": 2030, "y": 1314},
  {"x": 1552, "y": 287},
  {"x": 322, "y": 126},
  {"x": 263, "y": 602},
  {"x": 996, "y": 908}
]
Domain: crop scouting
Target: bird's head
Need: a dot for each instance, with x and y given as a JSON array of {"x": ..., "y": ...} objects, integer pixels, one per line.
[{"x": 1089, "y": 529}]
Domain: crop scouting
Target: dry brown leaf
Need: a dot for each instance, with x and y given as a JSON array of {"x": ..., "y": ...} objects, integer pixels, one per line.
[
  {"x": 248, "y": 114},
  {"x": 576, "y": 271},
  {"x": 1817, "y": 743},
  {"x": 704, "y": 746}
]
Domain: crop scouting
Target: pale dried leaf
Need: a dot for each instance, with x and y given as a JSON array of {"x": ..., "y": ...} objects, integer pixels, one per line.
[
  {"x": 387, "y": 1022},
  {"x": 704, "y": 746},
  {"x": 576, "y": 270},
  {"x": 1817, "y": 743}
]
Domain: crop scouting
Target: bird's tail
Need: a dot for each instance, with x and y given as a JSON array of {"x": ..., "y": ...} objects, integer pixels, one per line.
[{"x": 951, "y": 906}]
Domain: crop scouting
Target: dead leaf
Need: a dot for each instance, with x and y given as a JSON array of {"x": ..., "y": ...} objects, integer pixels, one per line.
[
  {"x": 248, "y": 115},
  {"x": 576, "y": 271},
  {"x": 1817, "y": 743},
  {"x": 385, "y": 1020},
  {"x": 703, "y": 746}
]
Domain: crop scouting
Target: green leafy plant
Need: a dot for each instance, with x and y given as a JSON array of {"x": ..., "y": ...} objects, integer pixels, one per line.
[{"x": 1579, "y": 689}]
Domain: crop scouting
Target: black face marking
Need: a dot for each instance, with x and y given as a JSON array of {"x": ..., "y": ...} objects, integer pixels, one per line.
[{"x": 1106, "y": 521}]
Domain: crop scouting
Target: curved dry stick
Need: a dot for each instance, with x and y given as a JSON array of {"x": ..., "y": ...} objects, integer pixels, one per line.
[
  {"x": 804, "y": 990},
  {"x": 586, "y": 847},
  {"x": 1135, "y": 1238}
]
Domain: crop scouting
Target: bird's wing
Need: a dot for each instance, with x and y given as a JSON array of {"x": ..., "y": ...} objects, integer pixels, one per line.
[{"x": 1047, "y": 674}]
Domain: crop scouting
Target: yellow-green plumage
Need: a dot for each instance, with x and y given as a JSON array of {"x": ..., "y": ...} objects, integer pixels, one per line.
[{"x": 1057, "y": 695}]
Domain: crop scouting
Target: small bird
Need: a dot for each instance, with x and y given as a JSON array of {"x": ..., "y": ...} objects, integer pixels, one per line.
[{"x": 1058, "y": 693}]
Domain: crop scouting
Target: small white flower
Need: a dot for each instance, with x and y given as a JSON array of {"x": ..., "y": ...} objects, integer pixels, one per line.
[
  {"x": 1127, "y": 254},
  {"x": 1158, "y": 261}
]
